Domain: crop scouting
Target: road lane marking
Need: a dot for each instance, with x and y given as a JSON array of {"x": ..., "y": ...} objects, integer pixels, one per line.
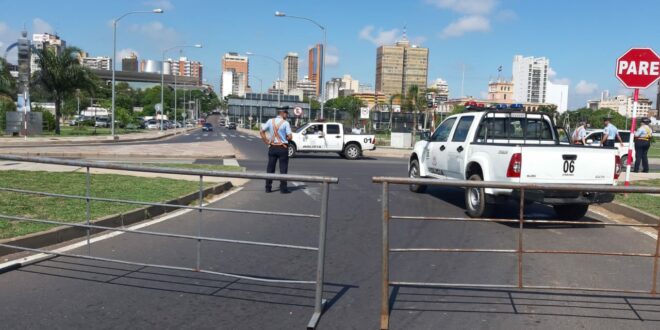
[
  {"x": 313, "y": 192},
  {"x": 223, "y": 135},
  {"x": 615, "y": 218},
  {"x": 41, "y": 256}
]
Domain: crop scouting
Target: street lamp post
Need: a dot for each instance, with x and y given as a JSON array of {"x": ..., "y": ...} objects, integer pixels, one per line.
[
  {"x": 279, "y": 71},
  {"x": 325, "y": 41},
  {"x": 114, "y": 56},
  {"x": 261, "y": 96},
  {"x": 162, "y": 83}
]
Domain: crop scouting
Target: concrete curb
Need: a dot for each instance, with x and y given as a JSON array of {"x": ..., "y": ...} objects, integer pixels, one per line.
[
  {"x": 61, "y": 234},
  {"x": 632, "y": 213},
  {"x": 56, "y": 141}
]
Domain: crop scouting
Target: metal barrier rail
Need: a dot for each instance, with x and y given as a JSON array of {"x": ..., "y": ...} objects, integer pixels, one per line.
[
  {"x": 519, "y": 251},
  {"x": 322, "y": 216}
]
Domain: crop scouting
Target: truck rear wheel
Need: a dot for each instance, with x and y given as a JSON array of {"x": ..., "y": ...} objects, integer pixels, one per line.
[
  {"x": 475, "y": 200},
  {"x": 352, "y": 152},
  {"x": 413, "y": 173},
  {"x": 571, "y": 211}
]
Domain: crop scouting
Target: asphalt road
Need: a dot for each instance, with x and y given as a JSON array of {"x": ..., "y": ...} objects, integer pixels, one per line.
[{"x": 69, "y": 293}]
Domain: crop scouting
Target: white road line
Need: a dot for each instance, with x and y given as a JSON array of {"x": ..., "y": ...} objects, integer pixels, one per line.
[
  {"x": 644, "y": 230},
  {"x": 313, "y": 192},
  {"x": 40, "y": 256},
  {"x": 223, "y": 135},
  {"x": 233, "y": 136},
  {"x": 198, "y": 138},
  {"x": 230, "y": 162}
]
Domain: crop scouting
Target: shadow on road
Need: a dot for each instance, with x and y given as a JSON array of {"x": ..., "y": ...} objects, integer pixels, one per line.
[
  {"x": 510, "y": 210},
  {"x": 521, "y": 302},
  {"x": 174, "y": 281}
]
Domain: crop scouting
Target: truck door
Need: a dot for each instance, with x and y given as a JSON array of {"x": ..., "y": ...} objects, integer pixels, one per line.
[
  {"x": 457, "y": 148},
  {"x": 435, "y": 156},
  {"x": 313, "y": 138},
  {"x": 333, "y": 137}
]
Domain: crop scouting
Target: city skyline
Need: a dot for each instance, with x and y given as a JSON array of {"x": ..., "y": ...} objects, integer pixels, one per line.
[{"x": 456, "y": 36}]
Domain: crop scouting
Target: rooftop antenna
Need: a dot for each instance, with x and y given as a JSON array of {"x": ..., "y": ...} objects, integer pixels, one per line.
[
  {"x": 404, "y": 32},
  {"x": 499, "y": 73}
]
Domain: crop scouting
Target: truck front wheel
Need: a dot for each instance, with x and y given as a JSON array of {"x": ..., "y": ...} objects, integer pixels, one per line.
[
  {"x": 475, "y": 200},
  {"x": 571, "y": 211},
  {"x": 292, "y": 150}
]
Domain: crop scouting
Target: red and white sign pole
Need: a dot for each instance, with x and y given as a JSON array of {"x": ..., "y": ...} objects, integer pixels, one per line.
[
  {"x": 631, "y": 142},
  {"x": 637, "y": 68}
]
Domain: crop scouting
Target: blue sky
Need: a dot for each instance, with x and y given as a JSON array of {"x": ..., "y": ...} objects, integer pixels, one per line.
[{"x": 581, "y": 38}]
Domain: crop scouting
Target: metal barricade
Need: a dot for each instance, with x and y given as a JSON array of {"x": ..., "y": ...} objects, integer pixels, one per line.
[
  {"x": 520, "y": 251},
  {"x": 322, "y": 216}
]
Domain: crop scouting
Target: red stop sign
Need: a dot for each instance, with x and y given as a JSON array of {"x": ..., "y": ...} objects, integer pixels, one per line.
[{"x": 638, "y": 68}]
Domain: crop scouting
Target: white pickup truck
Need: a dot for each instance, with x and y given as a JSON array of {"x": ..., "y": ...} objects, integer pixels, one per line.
[
  {"x": 513, "y": 146},
  {"x": 330, "y": 137}
]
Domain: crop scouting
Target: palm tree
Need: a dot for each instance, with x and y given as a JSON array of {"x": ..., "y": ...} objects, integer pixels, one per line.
[
  {"x": 392, "y": 98},
  {"x": 7, "y": 82},
  {"x": 414, "y": 101},
  {"x": 61, "y": 75}
]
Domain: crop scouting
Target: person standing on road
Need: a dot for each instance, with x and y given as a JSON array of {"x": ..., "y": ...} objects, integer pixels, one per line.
[
  {"x": 580, "y": 134},
  {"x": 642, "y": 144},
  {"x": 279, "y": 131},
  {"x": 610, "y": 133}
]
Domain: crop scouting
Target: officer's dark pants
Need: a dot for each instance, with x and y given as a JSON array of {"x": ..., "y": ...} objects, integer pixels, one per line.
[
  {"x": 642, "y": 155},
  {"x": 608, "y": 143},
  {"x": 275, "y": 154}
]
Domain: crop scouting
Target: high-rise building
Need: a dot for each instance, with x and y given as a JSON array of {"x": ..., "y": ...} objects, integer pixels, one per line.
[
  {"x": 240, "y": 66},
  {"x": 45, "y": 41},
  {"x": 400, "y": 66},
  {"x": 557, "y": 94},
  {"x": 530, "y": 79},
  {"x": 130, "y": 63},
  {"x": 98, "y": 63},
  {"x": 315, "y": 68},
  {"x": 623, "y": 104},
  {"x": 290, "y": 72},
  {"x": 335, "y": 86},
  {"x": 305, "y": 89},
  {"x": 186, "y": 68}
]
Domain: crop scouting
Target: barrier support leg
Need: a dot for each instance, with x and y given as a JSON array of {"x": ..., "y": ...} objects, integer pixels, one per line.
[
  {"x": 88, "y": 208},
  {"x": 385, "y": 281},
  {"x": 199, "y": 222},
  {"x": 521, "y": 221},
  {"x": 319, "y": 302},
  {"x": 654, "y": 289}
]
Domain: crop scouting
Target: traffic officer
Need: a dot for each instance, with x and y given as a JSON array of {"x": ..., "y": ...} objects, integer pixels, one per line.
[
  {"x": 279, "y": 135},
  {"x": 610, "y": 132},
  {"x": 642, "y": 144},
  {"x": 580, "y": 134}
]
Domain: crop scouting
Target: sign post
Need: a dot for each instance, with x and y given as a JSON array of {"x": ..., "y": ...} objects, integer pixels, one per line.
[{"x": 637, "y": 68}]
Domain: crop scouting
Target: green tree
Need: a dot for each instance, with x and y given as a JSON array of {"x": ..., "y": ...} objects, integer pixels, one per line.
[
  {"x": 392, "y": 98},
  {"x": 415, "y": 102},
  {"x": 61, "y": 74},
  {"x": 7, "y": 93},
  {"x": 348, "y": 104}
]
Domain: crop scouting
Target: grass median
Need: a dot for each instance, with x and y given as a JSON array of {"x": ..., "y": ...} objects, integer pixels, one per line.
[
  {"x": 645, "y": 202},
  {"x": 73, "y": 183}
]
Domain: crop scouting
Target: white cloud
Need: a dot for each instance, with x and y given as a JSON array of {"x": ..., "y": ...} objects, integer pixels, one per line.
[
  {"x": 464, "y": 25},
  {"x": 585, "y": 88},
  {"x": 125, "y": 52},
  {"x": 157, "y": 32},
  {"x": 332, "y": 56},
  {"x": 478, "y": 7},
  {"x": 382, "y": 37},
  {"x": 161, "y": 4},
  {"x": 552, "y": 76},
  {"x": 41, "y": 26}
]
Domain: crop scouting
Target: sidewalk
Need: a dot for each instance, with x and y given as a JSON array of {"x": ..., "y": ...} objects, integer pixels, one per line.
[
  {"x": 146, "y": 135},
  {"x": 196, "y": 150}
]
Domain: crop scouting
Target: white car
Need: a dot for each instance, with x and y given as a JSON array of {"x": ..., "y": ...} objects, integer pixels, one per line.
[
  {"x": 330, "y": 137},
  {"x": 594, "y": 139},
  {"x": 517, "y": 147},
  {"x": 152, "y": 124}
]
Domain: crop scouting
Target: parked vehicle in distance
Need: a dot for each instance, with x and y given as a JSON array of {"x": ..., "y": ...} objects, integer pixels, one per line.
[
  {"x": 518, "y": 147},
  {"x": 594, "y": 139},
  {"x": 330, "y": 137},
  {"x": 221, "y": 122},
  {"x": 231, "y": 125},
  {"x": 152, "y": 124},
  {"x": 190, "y": 125},
  {"x": 208, "y": 127},
  {"x": 102, "y": 122}
]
